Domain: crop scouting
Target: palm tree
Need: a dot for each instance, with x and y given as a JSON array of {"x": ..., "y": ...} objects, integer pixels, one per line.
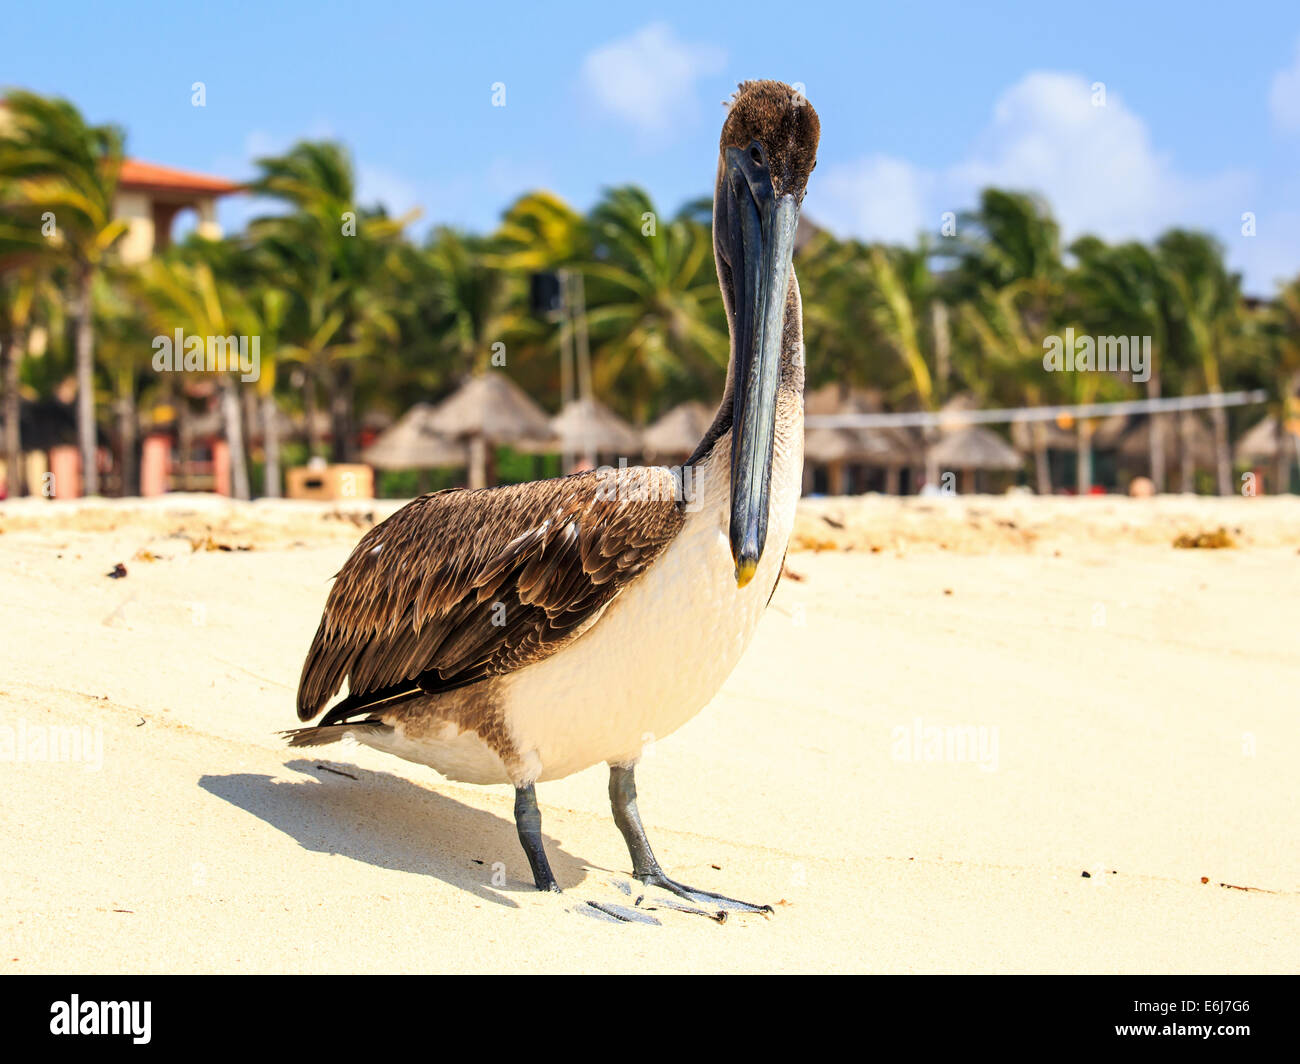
[
  {"x": 265, "y": 313},
  {"x": 907, "y": 318},
  {"x": 470, "y": 293},
  {"x": 1011, "y": 276},
  {"x": 654, "y": 311},
  {"x": 19, "y": 288},
  {"x": 1124, "y": 290},
  {"x": 1206, "y": 311},
  {"x": 189, "y": 296},
  {"x": 124, "y": 353},
  {"x": 1009, "y": 237},
  {"x": 539, "y": 231},
  {"x": 1283, "y": 324},
  {"x": 1008, "y": 326},
  {"x": 835, "y": 320},
  {"x": 334, "y": 258},
  {"x": 66, "y": 171}
]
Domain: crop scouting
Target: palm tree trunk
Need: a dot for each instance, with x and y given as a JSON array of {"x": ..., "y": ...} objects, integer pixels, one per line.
[
  {"x": 1222, "y": 456},
  {"x": 1042, "y": 467},
  {"x": 340, "y": 386},
  {"x": 1286, "y": 443},
  {"x": 1083, "y": 466},
  {"x": 1155, "y": 439},
  {"x": 929, "y": 437},
  {"x": 271, "y": 447},
  {"x": 1187, "y": 470},
  {"x": 126, "y": 433},
  {"x": 248, "y": 420},
  {"x": 478, "y": 473},
  {"x": 234, "y": 437},
  {"x": 309, "y": 411},
  {"x": 1282, "y": 463},
  {"x": 184, "y": 437},
  {"x": 85, "y": 331},
  {"x": 12, "y": 354}
]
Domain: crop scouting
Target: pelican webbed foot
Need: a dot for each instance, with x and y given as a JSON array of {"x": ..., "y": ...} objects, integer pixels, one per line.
[{"x": 645, "y": 868}]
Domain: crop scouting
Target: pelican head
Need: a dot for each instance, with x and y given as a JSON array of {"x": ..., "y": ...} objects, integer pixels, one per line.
[{"x": 768, "y": 150}]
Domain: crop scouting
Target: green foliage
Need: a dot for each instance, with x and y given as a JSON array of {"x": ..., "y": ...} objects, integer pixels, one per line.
[{"x": 353, "y": 314}]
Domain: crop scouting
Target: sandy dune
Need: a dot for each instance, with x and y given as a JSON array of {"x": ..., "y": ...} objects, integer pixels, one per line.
[{"x": 1112, "y": 705}]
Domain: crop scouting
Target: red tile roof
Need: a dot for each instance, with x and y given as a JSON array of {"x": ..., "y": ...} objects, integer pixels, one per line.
[{"x": 154, "y": 178}]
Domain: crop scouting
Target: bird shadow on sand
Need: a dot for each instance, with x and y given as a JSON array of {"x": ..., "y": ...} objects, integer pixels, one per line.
[{"x": 392, "y": 823}]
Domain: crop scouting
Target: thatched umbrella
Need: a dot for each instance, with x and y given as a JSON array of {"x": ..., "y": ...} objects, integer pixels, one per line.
[
  {"x": 1260, "y": 443},
  {"x": 837, "y": 448},
  {"x": 1183, "y": 435},
  {"x": 485, "y": 411},
  {"x": 839, "y": 399},
  {"x": 1266, "y": 443},
  {"x": 971, "y": 449},
  {"x": 412, "y": 443},
  {"x": 974, "y": 447},
  {"x": 676, "y": 434},
  {"x": 881, "y": 448},
  {"x": 588, "y": 428}
]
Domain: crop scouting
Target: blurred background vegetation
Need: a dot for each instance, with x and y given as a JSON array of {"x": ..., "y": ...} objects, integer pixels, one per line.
[{"x": 363, "y": 320}]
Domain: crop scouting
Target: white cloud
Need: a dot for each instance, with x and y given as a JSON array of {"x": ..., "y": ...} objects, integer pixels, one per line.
[
  {"x": 1096, "y": 166},
  {"x": 879, "y": 196},
  {"x": 1284, "y": 96},
  {"x": 648, "y": 79},
  {"x": 379, "y": 186}
]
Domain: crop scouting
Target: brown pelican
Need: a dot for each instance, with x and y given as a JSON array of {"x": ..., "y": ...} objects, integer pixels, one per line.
[{"x": 523, "y": 633}]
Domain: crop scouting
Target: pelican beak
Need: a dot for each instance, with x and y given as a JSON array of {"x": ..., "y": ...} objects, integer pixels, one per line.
[{"x": 757, "y": 240}]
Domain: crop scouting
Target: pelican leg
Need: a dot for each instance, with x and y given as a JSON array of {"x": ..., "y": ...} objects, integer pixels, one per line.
[
  {"x": 622, "y": 798},
  {"x": 528, "y": 822}
]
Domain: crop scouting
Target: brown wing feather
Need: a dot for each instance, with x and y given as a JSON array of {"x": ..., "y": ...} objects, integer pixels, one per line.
[{"x": 414, "y": 606}]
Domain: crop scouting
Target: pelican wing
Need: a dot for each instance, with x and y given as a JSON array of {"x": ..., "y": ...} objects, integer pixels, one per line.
[{"x": 461, "y": 585}]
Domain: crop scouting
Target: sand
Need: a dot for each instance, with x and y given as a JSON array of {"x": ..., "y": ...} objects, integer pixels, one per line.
[{"x": 972, "y": 735}]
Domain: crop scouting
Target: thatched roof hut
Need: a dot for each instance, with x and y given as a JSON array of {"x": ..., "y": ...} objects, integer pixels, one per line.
[
  {"x": 972, "y": 448},
  {"x": 676, "y": 434},
  {"x": 869, "y": 446},
  {"x": 839, "y": 399},
  {"x": 587, "y": 427},
  {"x": 845, "y": 451},
  {"x": 494, "y": 407},
  {"x": 412, "y": 443},
  {"x": 1264, "y": 448},
  {"x": 1260, "y": 443},
  {"x": 825, "y": 446},
  {"x": 485, "y": 411},
  {"x": 1135, "y": 445}
]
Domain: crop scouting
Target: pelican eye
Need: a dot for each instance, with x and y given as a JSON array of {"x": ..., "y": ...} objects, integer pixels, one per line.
[{"x": 756, "y": 153}]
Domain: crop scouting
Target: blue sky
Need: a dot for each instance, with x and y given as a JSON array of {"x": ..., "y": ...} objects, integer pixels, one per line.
[{"x": 921, "y": 104}]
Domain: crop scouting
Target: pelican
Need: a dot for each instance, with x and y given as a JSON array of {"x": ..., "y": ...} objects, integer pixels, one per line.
[{"x": 523, "y": 633}]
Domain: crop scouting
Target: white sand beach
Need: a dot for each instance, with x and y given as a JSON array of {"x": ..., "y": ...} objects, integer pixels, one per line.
[{"x": 974, "y": 734}]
